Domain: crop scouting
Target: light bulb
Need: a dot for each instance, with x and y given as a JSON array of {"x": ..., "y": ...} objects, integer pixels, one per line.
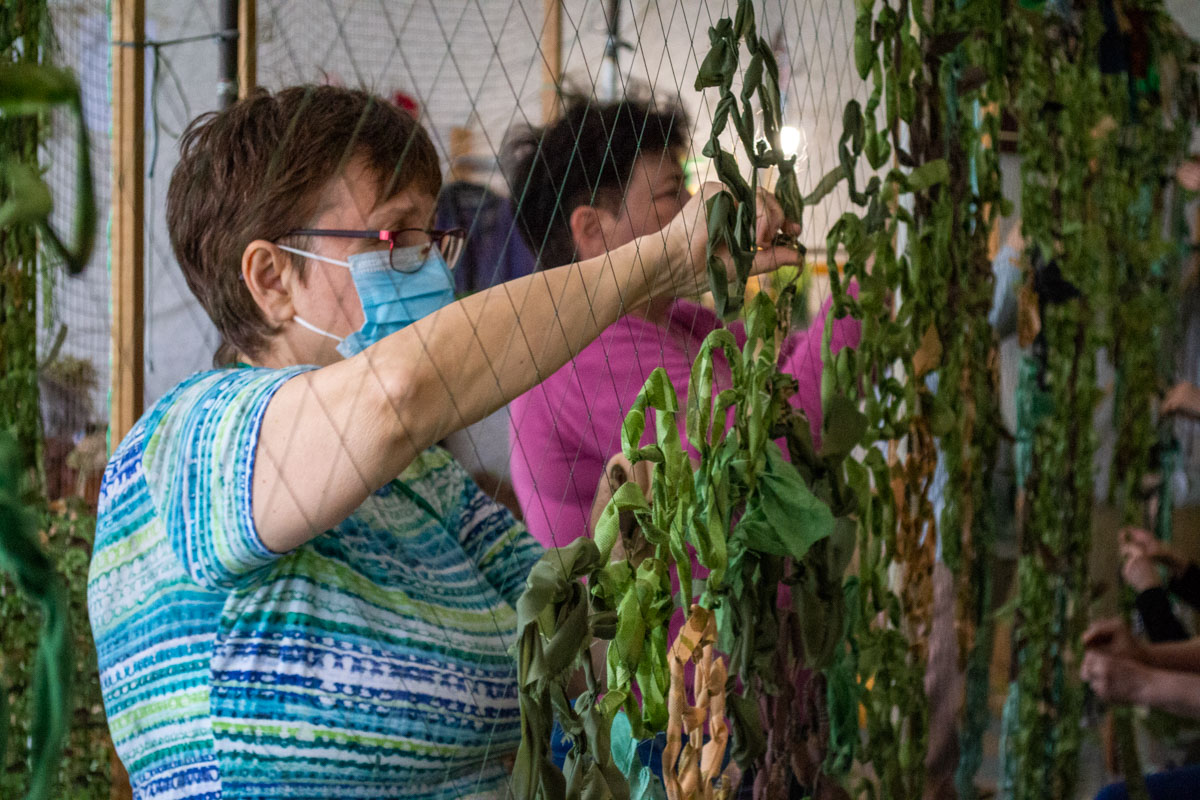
[{"x": 789, "y": 140}]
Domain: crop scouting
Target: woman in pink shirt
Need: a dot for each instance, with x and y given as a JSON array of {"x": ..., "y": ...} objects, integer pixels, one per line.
[{"x": 599, "y": 177}]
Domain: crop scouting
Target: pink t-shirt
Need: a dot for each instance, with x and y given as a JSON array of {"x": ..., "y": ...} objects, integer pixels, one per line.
[{"x": 564, "y": 431}]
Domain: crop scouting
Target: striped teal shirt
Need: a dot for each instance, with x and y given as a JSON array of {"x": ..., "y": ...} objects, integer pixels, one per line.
[{"x": 372, "y": 662}]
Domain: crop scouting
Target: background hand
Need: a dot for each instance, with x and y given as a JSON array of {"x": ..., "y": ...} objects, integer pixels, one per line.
[
  {"x": 686, "y": 240},
  {"x": 1182, "y": 398},
  {"x": 1189, "y": 175},
  {"x": 1137, "y": 542},
  {"x": 1113, "y": 679},
  {"x": 1140, "y": 573},
  {"x": 1111, "y": 637}
]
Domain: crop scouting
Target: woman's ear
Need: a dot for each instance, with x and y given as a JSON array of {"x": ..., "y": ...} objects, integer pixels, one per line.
[
  {"x": 270, "y": 275},
  {"x": 587, "y": 230}
]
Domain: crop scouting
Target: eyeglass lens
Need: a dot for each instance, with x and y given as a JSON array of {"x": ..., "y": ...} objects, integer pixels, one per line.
[{"x": 450, "y": 243}]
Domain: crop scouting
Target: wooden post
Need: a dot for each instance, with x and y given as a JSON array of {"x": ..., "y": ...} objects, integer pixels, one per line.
[
  {"x": 247, "y": 51},
  {"x": 462, "y": 144},
  {"x": 128, "y": 283},
  {"x": 551, "y": 47},
  {"x": 128, "y": 287}
]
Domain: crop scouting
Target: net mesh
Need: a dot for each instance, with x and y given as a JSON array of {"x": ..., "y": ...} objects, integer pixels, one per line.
[{"x": 474, "y": 70}]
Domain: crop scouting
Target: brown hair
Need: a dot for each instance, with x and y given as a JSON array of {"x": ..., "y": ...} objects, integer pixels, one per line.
[
  {"x": 584, "y": 158},
  {"x": 256, "y": 170}
]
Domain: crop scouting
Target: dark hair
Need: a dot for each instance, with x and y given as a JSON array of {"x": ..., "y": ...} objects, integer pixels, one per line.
[
  {"x": 585, "y": 157},
  {"x": 256, "y": 170}
]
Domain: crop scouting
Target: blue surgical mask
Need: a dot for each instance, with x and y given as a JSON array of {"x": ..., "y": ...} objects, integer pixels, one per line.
[{"x": 395, "y": 291}]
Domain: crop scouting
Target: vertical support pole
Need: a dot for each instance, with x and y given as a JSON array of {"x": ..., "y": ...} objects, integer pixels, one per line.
[
  {"x": 551, "y": 47},
  {"x": 247, "y": 47},
  {"x": 227, "y": 55},
  {"x": 461, "y": 146},
  {"x": 128, "y": 211},
  {"x": 128, "y": 289},
  {"x": 128, "y": 284}
]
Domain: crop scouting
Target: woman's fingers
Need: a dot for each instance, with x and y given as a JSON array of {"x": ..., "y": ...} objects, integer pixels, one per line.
[
  {"x": 1114, "y": 679},
  {"x": 770, "y": 217},
  {"x": 771, "y": 220},
  {"x": 1140, "y": 573},
  {"x": 1139, "y": 539},
  {"x": 686, "y": 239},
  {"x": 1137, "y": 535},
  {"x": 1133, "y": 550},
  {"x": 1102, "y": 632},
  {"x": 771, "y": 223},
  {"x": 772, "y": 258},
  {"x": 1095, "y": 671}
]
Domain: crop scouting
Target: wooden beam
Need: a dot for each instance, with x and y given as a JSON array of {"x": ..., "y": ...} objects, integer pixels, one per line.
[
  {"x": 247, "y": 56},
  {"x": 551, "y": 47},
  {"x": 462, "y": 144},
  {"x": 128, "y": 288},
  {"x": 128, "y": 284}
]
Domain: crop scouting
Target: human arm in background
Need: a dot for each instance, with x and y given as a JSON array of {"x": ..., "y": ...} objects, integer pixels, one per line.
[
  {"x": 1183, "y": 576},
  {"x": 1120, "y": 680},
  {"x": 1112, "y": 637},
  {"x": 1154, "y": 607},
  {"x": 365, "y": 418},
  {"x": 1122, "y": 669},
  {"x": 1186, "y": 585}
]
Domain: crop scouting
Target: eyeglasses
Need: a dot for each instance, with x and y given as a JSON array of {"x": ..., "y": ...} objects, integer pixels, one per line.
[{"x": 449, "y": 242}]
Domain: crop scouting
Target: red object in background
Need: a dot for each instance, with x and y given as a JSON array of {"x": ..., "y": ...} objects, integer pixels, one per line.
[{"x": 407, "y": 102}]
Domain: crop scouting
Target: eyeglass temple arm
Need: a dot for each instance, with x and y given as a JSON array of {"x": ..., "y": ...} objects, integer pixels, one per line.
[{"x": 383, "y": 236}]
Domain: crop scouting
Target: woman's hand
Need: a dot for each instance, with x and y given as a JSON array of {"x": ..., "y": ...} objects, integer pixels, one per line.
[
  {"x": 1189, "y": 175},
  {"x": 1183, "y": 398},
  {"x": 1140, "y": 572},
  {"x": 1111, "y": 637},
  {"x": 1114, "y": 679},
  {"x": 685, "y": 239},
  {"x": 1137, "y": 543}
]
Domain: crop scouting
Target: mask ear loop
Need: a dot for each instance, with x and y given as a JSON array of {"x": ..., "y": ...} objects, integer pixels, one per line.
[
  {"x": 302, "y": 322},
  {"x": 315, "y": 256},
  {"x": 296, "y": 317}
]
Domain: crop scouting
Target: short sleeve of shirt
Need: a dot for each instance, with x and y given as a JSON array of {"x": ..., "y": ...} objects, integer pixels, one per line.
[{"x": 199, "y": 468}]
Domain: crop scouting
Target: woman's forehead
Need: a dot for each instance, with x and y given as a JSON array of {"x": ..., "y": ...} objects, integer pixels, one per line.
[
  {"x": 409, "y": 204},
  {"x": 353, "y": 197}
]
